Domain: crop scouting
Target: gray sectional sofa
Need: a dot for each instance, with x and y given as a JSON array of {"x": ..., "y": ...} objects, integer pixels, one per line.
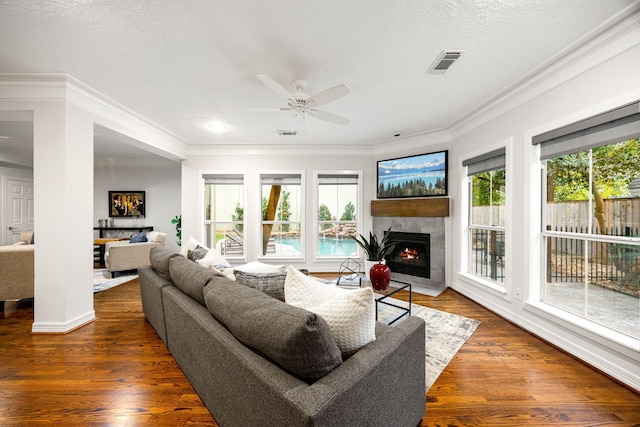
[{"x": 257, "y": 361}]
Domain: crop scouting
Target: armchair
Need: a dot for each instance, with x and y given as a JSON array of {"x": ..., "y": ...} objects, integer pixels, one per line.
[
  {"x": 123, "y": 255},
  {"x": 16, "y": 272}
]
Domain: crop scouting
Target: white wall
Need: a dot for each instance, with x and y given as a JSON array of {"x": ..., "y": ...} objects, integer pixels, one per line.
[
  {"x": 611, "y": 80},
  {"x": 289, "y": 160},
  {"x": 162, "y": 192}
]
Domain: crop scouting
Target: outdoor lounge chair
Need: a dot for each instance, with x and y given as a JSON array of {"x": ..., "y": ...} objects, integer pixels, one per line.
[{"x": 234, "y": 241}]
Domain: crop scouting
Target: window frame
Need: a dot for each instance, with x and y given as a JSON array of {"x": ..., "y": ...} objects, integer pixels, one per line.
[
  {"x": 316, "y": 206},
  {"x": 281, "y": 173},
  {"x": 209, "y": 223},
  {"x": 594, "y": 127},
  {"x": 504, "y": 289}
]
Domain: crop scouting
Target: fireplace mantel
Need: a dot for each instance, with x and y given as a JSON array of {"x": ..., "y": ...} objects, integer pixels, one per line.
[{"x": 427, "y": 207}]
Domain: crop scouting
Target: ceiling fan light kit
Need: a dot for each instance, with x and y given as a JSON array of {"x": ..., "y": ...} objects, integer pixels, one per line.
[{"x": 301, "y": 103}]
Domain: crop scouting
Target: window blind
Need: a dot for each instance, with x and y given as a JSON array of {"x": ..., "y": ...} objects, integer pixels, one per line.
[
  {"x": 337, "y": 179},
  {"x": 620, "y": 124},
  {"x": 281, "y": 179},
  {"x": 486, "y": 162},
  {"x": 223, "y": 179}
]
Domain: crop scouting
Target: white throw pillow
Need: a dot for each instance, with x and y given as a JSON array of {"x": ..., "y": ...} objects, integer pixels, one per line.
[
  {"x": 259, "y": 267},
  {"x": 191, "y": 245},
  {"x": 350, "y": 314},
  {"x": 213, "y": 258}
]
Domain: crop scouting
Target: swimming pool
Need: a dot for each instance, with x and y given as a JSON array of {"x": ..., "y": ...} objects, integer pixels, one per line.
[{"x": 327, "y": 246}]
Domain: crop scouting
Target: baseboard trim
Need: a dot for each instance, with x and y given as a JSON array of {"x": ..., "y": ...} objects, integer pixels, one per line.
[{"x": 63, "y": 327}]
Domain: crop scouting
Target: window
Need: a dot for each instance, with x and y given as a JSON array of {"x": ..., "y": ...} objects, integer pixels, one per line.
[
  {"x": 487, "y": 197},
  {"x": 337, "y": 214},
  {"x": 281, "y": 196},
  {"x": 224, "y": 213},
  {"x": 591, "y": 219}
]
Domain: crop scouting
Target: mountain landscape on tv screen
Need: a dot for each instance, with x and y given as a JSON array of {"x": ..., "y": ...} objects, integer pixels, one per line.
[{"x": 416, "y": 176}]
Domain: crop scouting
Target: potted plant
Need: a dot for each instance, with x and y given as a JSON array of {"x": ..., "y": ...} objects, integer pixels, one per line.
[{"x": 376, "y": 251}]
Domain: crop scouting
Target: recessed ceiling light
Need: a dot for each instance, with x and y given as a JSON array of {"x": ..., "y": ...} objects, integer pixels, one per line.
[{"x": 217, "y": 127}]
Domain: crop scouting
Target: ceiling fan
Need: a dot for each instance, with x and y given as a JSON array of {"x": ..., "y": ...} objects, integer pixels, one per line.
[{"x": 301, "y": 102}]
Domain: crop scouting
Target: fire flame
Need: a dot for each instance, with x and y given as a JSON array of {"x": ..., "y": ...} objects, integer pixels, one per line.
[{"x": 409, "y": 254}]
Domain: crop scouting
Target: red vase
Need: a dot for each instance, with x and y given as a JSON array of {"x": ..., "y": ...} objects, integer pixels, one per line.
[{"x": 380, "y": 276}]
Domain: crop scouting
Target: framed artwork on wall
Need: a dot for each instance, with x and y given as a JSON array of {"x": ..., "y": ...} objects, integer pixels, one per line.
[
  {"x": 126, "y": 204},
  {"x": 422, "y": 175}
]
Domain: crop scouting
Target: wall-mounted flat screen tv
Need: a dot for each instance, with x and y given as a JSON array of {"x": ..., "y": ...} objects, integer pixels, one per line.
[{"x": 422, "y": 175}]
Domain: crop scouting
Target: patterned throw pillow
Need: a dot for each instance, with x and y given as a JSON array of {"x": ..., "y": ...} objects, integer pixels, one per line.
[
  {"x": 350, "y": 314},
  {"x": 271, "y": 284},
  {"x": 197, "y": 253}
]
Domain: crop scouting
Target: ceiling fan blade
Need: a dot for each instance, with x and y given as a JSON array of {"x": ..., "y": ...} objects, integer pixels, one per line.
[
  {"x": 329, "y": 95},
  {"x": 274, "y": 86},
  {"x": 329, "y": 117}
]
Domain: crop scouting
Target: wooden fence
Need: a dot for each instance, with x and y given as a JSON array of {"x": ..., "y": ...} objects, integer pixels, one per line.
[{"x": 619, "y": 212}]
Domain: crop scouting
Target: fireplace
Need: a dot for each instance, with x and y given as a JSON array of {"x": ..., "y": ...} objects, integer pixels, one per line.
[{"x": 411, "y": 255}]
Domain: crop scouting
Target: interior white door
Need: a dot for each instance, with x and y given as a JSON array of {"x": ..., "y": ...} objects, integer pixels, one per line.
[{"x": 18, "y": 209}]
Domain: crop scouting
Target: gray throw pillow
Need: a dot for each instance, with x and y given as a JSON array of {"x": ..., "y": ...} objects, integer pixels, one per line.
[
  {"x": 197, "y": 253},
  {"x": 271, "y": 284},
  {"x": 295, "y": 339}
]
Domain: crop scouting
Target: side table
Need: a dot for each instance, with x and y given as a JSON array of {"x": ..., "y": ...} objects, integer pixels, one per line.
[{"x": 382, "y": 299}]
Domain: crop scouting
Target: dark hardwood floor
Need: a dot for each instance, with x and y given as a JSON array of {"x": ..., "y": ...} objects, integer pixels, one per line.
[{"x": 116, "y": 372}]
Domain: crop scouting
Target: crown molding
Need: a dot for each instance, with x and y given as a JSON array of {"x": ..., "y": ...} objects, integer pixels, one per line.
[
  {"x": 107, "y": 112},
  {"x": 610, "y": 39},
  {"x": 276, "y": 150},
  {"x": 409, "y": 144}
]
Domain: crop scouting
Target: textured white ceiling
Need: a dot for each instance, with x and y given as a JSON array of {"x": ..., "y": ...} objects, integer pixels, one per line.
[{"x": 183, "y": 64}]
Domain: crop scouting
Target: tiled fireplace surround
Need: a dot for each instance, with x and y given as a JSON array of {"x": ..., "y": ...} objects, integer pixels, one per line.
[{"x": 432, "y": 226}]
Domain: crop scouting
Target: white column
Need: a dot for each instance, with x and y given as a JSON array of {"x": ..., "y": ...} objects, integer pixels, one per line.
[{"x": 63, "y": 184}]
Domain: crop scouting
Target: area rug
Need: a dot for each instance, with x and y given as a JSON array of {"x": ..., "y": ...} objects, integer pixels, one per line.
[
  {"x": 445, "y": 333},
  {"x": 102, "y": 279}
]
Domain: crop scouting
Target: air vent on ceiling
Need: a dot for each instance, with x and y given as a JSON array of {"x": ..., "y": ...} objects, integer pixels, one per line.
[
  {"x": 444, "y": 61},
  {"x": 282, "y": 132}
]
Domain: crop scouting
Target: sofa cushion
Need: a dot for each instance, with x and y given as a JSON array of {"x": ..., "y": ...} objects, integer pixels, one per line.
[
  {"x": 295, "y": 339},
  {"x": 159, "y": 259},
  {"x": 351, "y": 314},
  {"x": 189, "y": 277},
  {"x": 271, "y": 284}
]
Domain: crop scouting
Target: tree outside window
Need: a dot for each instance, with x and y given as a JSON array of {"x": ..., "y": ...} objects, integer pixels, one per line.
[{"x": 281, "y": 197}]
